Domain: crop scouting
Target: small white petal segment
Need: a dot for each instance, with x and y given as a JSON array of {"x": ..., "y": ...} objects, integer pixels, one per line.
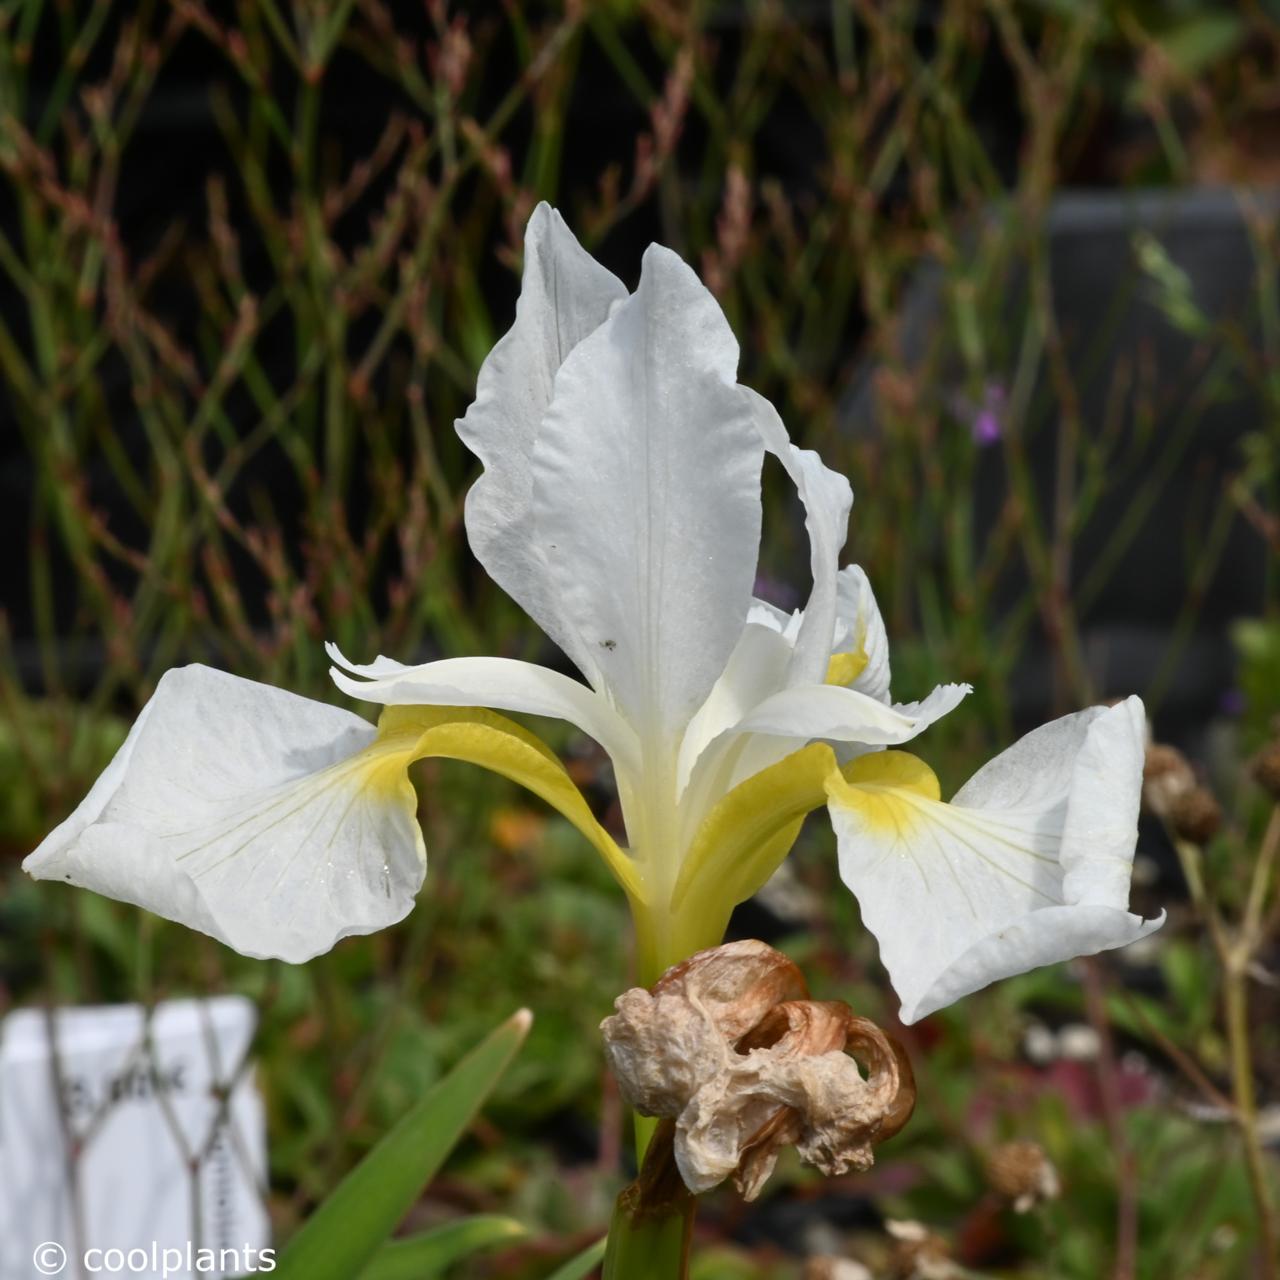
[
  {"x": 752, "y": 719},
  {"x": 251, "y": 814},
  {"x": 647, "y": 497},
  {"x": 860, "y": 634},
  {"x": 842, "y": 714},
  {"x": 827, "y": 500},
  {"x": 757, "y": 667},
  {"x": 504, "y": 684},
  {"x": 564, "y": 295},
  {"x": 1028, "y": 865},
  {"x": 784, "y": 722}
]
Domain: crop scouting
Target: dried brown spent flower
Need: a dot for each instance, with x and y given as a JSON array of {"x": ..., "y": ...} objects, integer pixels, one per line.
[
  {"x": 1196, "y": 815},
  {"x": 1023, "y": 1175},
  {"x": 1266, "y": 768},
  {"x": 1166, "y": 776},
  {"x": 729, "y": 1046}
]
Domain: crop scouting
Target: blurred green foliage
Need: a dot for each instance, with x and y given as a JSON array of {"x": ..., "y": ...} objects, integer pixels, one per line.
[{"x": 238, "y": 433}]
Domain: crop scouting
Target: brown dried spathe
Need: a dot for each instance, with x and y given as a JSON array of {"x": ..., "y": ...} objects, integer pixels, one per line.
[{"x": 729, "y": 1046}]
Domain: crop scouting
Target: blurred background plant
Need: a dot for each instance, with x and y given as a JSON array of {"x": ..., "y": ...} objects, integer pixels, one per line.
[{"x": 1011, "y": 266}]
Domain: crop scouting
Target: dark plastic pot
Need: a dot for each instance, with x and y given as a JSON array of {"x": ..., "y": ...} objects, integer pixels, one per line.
[{"x": 1107, "y": 314}]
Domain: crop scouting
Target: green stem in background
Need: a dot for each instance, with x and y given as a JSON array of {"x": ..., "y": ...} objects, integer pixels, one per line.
[
  {"x": 1236, "y": 961},
  {"x": 1235, "y": 956},
  {"x": 1237, "y": 1016},
  {"x": 1260, "y": 884},
  {"x": 652, "y": 1228}
]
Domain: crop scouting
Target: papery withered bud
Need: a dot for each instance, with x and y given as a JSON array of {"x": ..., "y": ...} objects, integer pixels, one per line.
[
  {"x": 1166, "y": 776},
  {"x": 1196, "y": 815},
  {"x": 1023, "y": 1175},
  {"x": 1266, "y": 768},
  {"x": 667, "y": 1041},
  {"x": 728, "y": 1045}
]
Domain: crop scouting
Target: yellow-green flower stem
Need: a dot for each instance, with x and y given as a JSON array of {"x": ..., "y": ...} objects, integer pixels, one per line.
[
  {"x": 652, "y": 1227},
  {"x": 743, "y": 841}
]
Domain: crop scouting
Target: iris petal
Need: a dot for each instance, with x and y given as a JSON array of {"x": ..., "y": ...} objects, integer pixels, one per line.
[{"x": 1028, "y": 865}]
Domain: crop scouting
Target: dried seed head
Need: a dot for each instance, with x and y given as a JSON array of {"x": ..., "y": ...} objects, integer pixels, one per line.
[
  {"x": 822, "y": 1267},
  {"x": 1196, "y": 815},
  {"x": 919, "y": 1254},
  {"x": 728, "y": 1045},
  {"x": 1023, "y": 1175},
  {"x": 1167, "y": 775},
  {"x": 1266, "y": 768}
]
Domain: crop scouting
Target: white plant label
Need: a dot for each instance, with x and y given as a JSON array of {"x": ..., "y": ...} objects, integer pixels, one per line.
[{"x": 132, "y": 1146}]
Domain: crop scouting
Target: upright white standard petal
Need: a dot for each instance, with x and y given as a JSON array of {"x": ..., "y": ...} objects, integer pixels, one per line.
[
  {"x": 266, "y": 820},
  {"x": 1028, "y": 865},
  {"x": 827, "y": 500},
  {"x": 564, "y": 295},
  {"x": 502, "y": 684},
  {"x": 647, "y": 498}
]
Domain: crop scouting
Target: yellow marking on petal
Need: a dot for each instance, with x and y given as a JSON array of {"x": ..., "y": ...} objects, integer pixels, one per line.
[
  {"x": 477, "y": 736},
  {"x": 845, "y": 668},
  {"x": 899, "y": 769},
  {"x": 885, "y": 787}
]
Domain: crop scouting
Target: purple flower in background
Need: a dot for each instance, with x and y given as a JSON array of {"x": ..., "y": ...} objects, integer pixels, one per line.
[
  {"x": 985, "y": 419},
  {"x": 776, "y": 592},
  {"x": 986, "y": 422},
  {"x": 1233, "y": 703}
]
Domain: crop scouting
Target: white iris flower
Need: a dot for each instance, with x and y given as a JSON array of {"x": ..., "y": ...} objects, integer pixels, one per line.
[{"x": 620, "y": 507}]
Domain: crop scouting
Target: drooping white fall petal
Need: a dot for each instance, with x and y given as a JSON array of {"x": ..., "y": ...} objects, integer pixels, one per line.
[
  {"x": 1029, "y": 864},
  {"x": 250, "y": 814},
  {"x": 565, "y": 294}
]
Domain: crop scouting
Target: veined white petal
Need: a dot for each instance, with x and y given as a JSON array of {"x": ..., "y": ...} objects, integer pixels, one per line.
[
  {"x": 1027, "y": 866},
  {"x": 838, "y": 714},
  {"x": 860, "y": 628},
  {"x": 502, "y": 684},
  {"x": 647, "y": 497},
  {"x": 250, "y": 814},
  {"x": 564, "y": 295},
  {"x": 827, "y": 500}
]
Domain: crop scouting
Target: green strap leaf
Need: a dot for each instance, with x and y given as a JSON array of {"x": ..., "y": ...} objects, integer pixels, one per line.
[
  {"x": 424, "y": 1256},
  {"x": 341, "y": 1238},
  {"x": 583, "y": 1264}
]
